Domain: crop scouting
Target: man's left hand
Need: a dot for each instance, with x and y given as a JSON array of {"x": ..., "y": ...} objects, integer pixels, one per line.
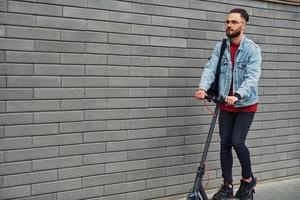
[{"x": 230, "y": 100}]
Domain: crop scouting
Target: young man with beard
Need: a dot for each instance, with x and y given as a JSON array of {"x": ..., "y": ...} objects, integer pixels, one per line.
[{"x": 238, "y": 83}]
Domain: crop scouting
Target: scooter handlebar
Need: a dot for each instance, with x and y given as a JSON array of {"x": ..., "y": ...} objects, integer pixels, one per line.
[{"x": 215, "y": 99}]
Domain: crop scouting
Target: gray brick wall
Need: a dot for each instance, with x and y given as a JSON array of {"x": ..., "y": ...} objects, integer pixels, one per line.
[{"x": 96, "y": 96}]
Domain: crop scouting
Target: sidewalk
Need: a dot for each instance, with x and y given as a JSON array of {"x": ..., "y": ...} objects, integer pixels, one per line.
[{"x": 279, "y": 189}]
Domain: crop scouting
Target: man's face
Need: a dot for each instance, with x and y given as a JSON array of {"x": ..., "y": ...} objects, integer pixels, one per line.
[{"x": 235, "y": 25}]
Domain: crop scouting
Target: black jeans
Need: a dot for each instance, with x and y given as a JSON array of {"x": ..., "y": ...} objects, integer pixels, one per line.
[{"x": 234, "y": 128}]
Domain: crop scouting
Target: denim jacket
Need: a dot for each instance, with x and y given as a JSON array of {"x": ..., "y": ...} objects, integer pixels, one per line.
[{"x": 245, "y": 74}]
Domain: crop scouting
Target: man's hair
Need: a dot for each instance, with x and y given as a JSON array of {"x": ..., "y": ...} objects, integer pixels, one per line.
[{"x": 242, "y": 12}]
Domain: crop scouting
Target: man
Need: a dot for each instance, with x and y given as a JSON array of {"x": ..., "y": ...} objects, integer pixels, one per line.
[{"x": 238, "y": 83}]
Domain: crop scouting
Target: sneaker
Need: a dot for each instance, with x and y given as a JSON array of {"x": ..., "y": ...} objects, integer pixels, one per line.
[
  {"x": 225, "y": 191},
  {"x": 246, "y": 188}
]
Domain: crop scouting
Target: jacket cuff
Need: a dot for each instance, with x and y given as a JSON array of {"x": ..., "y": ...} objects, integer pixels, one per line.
[{"x": 238, "y": 96}]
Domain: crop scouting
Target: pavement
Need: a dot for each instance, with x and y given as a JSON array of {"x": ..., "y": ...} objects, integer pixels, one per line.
[{"x": 279, "y": 189}]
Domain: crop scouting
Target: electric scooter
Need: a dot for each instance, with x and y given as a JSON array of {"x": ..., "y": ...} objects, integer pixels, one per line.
[{"x": 198, "y": 191}]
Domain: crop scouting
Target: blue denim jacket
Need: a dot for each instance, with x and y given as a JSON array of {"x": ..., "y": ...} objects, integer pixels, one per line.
[{"x": 245, "y": 74}]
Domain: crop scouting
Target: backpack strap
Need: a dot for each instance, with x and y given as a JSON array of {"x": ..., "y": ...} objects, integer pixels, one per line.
[{"x": 223, "y": 47}]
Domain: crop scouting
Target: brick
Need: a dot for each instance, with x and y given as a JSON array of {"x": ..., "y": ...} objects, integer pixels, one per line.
[
  {"x": 151, "y": 9},
  {"x": 188, "y": 13},
  {"x": 85, "y": 13},
  {"x": 2, "y": 56},
  {"x": 81, "y": 149},
  {"x": 105, "y": 136},
  {"x": 33, "y": 81},
  {"x": 107, "y": 48},
  {"x": 2, "y": 30},
  {"x": 104, "y": 157},
  {"x": 32, "y": 33},
  {"x": 40, "y": 197},
  {"x": 106, "y": 92},
  {"x": 149, "y": 51},
  {"x": 124, "y": 187},
  {"x": 83, "y": 59},
  {"x": 113, "y": 197},
  {"x": 107, "y": 26},
  {"x": 164, "y": 162},
  {"x": 18, "y": 118},
  {"x": 3, "y": 5},
  {"x": 130, "y": 18},
  {"x": 16, "y": 44},
  {"x": 39, "y": 141},
  {"x": 51, "y": 46},
  {"x": 148, "y": 92},
  {"x": 83, "y": 104},
  {"x": 33, "y": 8},
  {"x": 168, "y": 42},
  {"x": 81, "y": 193},
  {"x": 82, "y": 126},
  {"x": 15, "y": 192},
  {"x": 29, "y": 154},
  {"x": 162, "y": 102},
  {"x": 106, "y": 70},
  {"x": 16, "y": 94},
  {"x": 19, "y": 106},
  {"x": 15, "y": 143},
  {"x": 61, "y": 116},
  {"x": 126, "y": 145},
  {"x": 168, "y": 62},
  {"x": 3, "y": 81},
  {"x": 105, "y": 179},
  {"x": 127, "y": 103},
  {"x": 80, "y": 3},
  {"x": 56, "y": 186},
  {"x": 17, "y": 19},
  {"x": 146, "y": 194},
  {"x": 110, "y": 5},
  {"x": 168, "y": 82},
  {"x": 30, "y": 130},
  {"x": 48, "y": 69},
  {"x": 128, "y": 82},
  {"x": 29, "y": 178},
  {"x": 58, "y": 93},
  {"x": 16, "y": 69},
  {"x": 2, "y": 106},
  {"x": 165, "y": 181},
  {"x": 177, "y": 3},
  {"x": 128, "y": 39},
  {"x": 145, "y": 174},
  {"x": 54, "y": 163},
  {"x": 1, "y": 159},
  {"x": 168, "y": 141},
  {"x": 63, "y": 23},
  {"x": 81, "y": 171},
  {"x": 106, "y": 114},
  {"x": 83, "y": 36},
  {"x": 146, "y": 153},
  {"x": 170, "y": 22},
  {"x": 32, "y": 57},
  {"x": 15, "y": 167},
  {"x": 84, "y": 82},
  {"x": 150, "y": 30},
  {"x": 188, "y": 33},
  {"x": 128, "y": 60},
  {"x": 146, "y": 133}
]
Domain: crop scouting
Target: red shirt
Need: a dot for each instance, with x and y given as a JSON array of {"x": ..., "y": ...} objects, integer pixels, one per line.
[{"x": 230, "y": 108}]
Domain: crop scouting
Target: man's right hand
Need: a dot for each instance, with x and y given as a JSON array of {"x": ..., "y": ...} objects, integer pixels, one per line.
[{"x": 200, "y": 94}]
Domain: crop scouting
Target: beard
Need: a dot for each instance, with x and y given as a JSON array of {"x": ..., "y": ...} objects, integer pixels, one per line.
[{"x": 233, "y": 33}]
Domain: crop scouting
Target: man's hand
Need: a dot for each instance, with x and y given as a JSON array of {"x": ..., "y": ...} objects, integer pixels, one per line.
[
  {"x": 230, "y": 100},
  {"x": 200, "y": 94}
]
